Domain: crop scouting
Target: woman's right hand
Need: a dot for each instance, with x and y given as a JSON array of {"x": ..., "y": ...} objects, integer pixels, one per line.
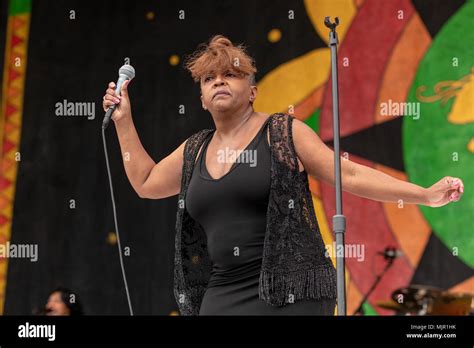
[{"x": 122, "y": 102}]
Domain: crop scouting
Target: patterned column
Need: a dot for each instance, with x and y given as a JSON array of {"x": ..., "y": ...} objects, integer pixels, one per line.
[{"x": 11, "y": 111}]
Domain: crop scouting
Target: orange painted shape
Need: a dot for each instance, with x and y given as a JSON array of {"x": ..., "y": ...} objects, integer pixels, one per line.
[
  {"x": 4, "y": 202},
  {"x": 17, "y": 23},
  {"x": 10, "y": 127},
  {"x": 314, "y": 187},
  {"x": 402, "y": 65},
  {"x": 353, "y": 296},
  {"x": 466, "y": 286},
  {"x": 6, "y": 165},
  {"x": 306, "y": 107},
  {"x": 12, "y": 92}
]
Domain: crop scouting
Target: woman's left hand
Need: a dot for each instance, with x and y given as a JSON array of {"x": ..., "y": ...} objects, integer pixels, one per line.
[{"x": 446, "y": 190}]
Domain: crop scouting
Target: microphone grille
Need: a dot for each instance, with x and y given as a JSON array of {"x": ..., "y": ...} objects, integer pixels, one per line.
[{"x": 128, "y": 71}]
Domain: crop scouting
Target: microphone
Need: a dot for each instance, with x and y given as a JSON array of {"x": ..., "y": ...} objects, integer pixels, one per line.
[
  {"x": 390, "y": 253},
  {"x": 126, "y": 72}
]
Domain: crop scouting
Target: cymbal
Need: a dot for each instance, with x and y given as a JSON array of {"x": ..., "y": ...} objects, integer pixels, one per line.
[{"x": 426, "y": 300}]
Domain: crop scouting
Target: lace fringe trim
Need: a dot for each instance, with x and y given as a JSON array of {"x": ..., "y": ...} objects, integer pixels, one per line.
[{"x": 281, "y": 289}]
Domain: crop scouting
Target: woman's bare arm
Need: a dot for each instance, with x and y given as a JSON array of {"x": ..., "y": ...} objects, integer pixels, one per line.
[
  {"x": 363, "y": 181},
  {"x": 149, "y": 179}
]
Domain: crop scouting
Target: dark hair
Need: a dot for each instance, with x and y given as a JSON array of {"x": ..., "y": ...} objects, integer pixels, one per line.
[{"x": 75, "y": 307}]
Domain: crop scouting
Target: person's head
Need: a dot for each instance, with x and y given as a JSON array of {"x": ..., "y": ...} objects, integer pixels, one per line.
[
  {"x": 62, "y": 301},
  {"x": 219, "y": 66}
]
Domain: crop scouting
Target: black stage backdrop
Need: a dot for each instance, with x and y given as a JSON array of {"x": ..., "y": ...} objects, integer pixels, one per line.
[{"x": 63, "y": 159}]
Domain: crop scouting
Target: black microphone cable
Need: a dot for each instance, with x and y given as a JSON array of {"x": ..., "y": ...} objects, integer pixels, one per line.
[{"x": 116, "y": 223}]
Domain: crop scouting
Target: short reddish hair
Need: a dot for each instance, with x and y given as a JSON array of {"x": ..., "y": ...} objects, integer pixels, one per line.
[{"x": 220, "y": 55}]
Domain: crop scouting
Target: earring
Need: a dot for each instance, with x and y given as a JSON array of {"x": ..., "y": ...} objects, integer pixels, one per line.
[{"x": 204, "y": 108}]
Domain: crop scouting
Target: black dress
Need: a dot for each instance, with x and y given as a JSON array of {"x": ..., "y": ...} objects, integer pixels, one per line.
[{"x": 232, "y": 211}]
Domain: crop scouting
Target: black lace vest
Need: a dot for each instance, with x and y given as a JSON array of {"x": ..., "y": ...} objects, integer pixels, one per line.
[{"x": 294, "y": 264}]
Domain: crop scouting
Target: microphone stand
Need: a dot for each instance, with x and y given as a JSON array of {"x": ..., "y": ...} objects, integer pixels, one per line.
[
  {"x": 338, "y": 220},
  {"x": 378, "y": 278}
]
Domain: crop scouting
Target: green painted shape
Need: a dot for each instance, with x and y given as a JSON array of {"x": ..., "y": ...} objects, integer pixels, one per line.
[
  {"x": 19, "y": 7},
  {"x": 313, "y": 120},
  {"x": 368, "y": 309},
  {"x": 430, "y": 141}
]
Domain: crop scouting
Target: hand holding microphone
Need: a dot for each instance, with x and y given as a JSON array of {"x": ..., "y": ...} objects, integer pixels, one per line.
[{"x": 116, "y": 102}]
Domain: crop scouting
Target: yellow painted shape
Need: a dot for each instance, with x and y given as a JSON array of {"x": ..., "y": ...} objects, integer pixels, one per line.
[
  {"x": 293, "y": 81},
  {"x": 470, "y": 145},
  {"x": 174, "y": 60},
  {"x": 274, "y": 35}
]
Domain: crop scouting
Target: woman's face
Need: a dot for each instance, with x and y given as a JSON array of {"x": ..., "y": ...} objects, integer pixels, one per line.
[
  {"x": 226, "y": 91},
  {"x": 56, "y": 306}
]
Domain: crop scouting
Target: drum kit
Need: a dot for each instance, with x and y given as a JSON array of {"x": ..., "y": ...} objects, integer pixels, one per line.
[{"x": 425, "y": 300}]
